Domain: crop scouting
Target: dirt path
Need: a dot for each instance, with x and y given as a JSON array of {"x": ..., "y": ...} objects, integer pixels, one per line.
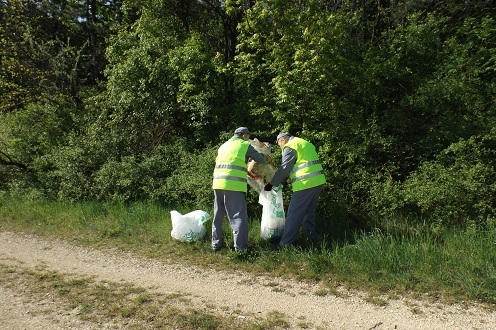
[{"x": 248, "y": 295}]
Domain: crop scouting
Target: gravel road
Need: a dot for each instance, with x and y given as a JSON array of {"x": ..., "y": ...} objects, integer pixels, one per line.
[{"x": 248, "y": 295}]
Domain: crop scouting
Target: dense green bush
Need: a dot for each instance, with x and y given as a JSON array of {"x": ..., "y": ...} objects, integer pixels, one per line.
[
  {"x": 191, "y": 182},
  {"x": 131, "y": 179},
  {"x": 456, "y": 189}
]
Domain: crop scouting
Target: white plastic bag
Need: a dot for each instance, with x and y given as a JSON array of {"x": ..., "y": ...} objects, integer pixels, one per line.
[
  {"x": 188, "y": 227},
  {"x": 272, "y": 225}
]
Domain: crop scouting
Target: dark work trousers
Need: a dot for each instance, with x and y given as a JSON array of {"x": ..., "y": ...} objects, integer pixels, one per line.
[{"x": 301, "y": 213}]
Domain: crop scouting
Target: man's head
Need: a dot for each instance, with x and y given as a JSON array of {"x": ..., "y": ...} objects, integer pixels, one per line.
[
  {"x": 282, "y": 139},
  {"x": 242, "y": 132}
]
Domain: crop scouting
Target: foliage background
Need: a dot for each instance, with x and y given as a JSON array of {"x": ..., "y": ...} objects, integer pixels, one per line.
[{"x": 128, "y": 101}]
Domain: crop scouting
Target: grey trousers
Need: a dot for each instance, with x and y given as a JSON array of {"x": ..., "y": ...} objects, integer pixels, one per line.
[
  {"x": 232, "y": 203},
  {"x": 301, "y": 213}
]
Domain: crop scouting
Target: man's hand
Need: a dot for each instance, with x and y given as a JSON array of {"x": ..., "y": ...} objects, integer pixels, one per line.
[{"x": 268, "y": 187}]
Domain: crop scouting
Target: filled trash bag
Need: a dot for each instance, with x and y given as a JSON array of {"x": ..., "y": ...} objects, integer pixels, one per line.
[
  {"x": 188, "y": 227},
  {"x": 273, "y": 218}
]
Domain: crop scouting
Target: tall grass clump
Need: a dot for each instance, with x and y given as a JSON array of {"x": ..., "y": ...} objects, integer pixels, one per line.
[
  {"x": 451, "y": 264},
  {"x": 90, "y": 221}
]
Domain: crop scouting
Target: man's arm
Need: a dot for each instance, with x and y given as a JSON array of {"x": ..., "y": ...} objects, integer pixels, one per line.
[
  {"x": 255, "y": 155},
  {"x": 287, "y": 162}
]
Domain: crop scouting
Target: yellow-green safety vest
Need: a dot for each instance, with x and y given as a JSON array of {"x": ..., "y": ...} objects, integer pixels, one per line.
[
  {"x": 307, "y": 171},
  {"x": 230, "y": 167}
]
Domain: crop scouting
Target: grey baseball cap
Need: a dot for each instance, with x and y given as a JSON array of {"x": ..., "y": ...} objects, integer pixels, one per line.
[
  {"x": 284, "y": 134},
  {"x": 242, "y": 130}
]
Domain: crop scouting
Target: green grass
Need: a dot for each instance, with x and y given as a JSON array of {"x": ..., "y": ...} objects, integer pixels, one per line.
[{"x": 447, "y": 265}]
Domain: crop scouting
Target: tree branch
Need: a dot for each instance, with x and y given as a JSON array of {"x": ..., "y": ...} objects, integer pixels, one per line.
[{"x": 7, "y": 161}]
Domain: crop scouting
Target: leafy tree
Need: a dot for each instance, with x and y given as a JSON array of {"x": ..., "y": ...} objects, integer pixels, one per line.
[
  {"x": 38, "y": 59},
  {"x": 44, "y": 71},
  {"x": 167, "y": 77},
  {"x": 54, "y": 47},
  {"x": 201, "y": 90}
]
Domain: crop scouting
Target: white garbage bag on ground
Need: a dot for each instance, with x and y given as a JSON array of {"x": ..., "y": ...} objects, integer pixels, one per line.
[
  {"x": 273, "y": 218},
  {"x": 188, "y": 227}
]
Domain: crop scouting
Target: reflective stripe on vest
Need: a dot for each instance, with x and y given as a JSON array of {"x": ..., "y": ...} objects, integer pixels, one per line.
[
  {"x": 229, "y": 177},
  {"x": 304, "y": 165},
  {"x": 307, "y": 172},
  {"x": 307, "y": 176},
  {"x": 234, "y": 167},
  {"x": 230, "y": 168}
]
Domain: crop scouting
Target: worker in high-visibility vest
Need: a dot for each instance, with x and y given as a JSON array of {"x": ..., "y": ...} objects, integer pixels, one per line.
[
  {"x": 301, "y": 163},
  {"x": 230, "y": 186}
]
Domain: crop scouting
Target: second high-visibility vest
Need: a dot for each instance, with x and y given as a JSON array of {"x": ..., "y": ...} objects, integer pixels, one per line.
[
  {"x": 307, "y": 171},
  {"x": 230, "y": 166}
]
